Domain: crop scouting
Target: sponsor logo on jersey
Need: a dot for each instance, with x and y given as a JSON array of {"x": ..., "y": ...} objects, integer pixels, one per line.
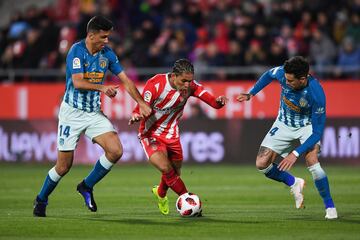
[
  {"x": 94, "y": 77},
  {"x": 76, "y": 63},
  {"x": 291, "y": 105}
]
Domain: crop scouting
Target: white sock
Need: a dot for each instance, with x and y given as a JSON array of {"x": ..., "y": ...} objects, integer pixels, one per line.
[
  {"x": 54, "y": 175},
  {"x": 316, "y": 171},
  {"x": 105, "y": 162},
  {"x": 267, "y": 169}
]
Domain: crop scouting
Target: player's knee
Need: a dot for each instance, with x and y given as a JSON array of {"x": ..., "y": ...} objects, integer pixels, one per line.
[
  {"x": 165, "y": 168},
  {"x": 63, "y": 169},
  {"x": 262, "y": 163},
  {"x": 114, "y": 154}
]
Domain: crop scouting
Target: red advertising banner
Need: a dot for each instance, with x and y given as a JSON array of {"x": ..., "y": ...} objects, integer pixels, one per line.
[
  {"x": 203, "y": 141},
  {"x": 41, "y": 101}
]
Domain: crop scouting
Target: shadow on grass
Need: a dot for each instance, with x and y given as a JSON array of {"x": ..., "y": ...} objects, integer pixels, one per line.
[{"x": 171, "y": 221}]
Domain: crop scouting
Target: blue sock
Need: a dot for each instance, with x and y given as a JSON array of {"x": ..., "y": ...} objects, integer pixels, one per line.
[
  {"x": 322, "y": 184},
  {"x": 49, "y": 185},
  {"x": 101, "y": 168},
  {"x": 274, "y": 173}
]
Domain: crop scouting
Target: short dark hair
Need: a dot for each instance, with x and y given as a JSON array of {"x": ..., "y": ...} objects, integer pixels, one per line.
[
  {"x": 298, "y": 66},
  {"x": 98, "y": 23},
  {"x": 183, "y": 66}
]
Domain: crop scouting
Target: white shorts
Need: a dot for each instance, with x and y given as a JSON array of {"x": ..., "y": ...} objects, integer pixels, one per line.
[
  {"x": 73, "y": 122},
  {"x": 281, "y": 137}
]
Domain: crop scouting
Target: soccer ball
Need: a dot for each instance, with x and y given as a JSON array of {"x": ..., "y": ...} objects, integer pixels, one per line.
[{"x": 188, "y": 205}]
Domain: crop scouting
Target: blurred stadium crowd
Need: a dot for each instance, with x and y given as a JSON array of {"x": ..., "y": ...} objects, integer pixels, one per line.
[{"x": 212, "y": 33}]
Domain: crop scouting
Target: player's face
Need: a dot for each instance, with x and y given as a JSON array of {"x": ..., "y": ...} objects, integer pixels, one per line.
[
  {"x": 295, "y": 83},
  {"x": 99, "y": 39},
  {"x": 182, "y": 82}
]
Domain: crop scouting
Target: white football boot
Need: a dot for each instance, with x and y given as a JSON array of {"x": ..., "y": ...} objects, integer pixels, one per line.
[
  {"x": 331, "y": 213},
  {"x": 297, "y": 190}
]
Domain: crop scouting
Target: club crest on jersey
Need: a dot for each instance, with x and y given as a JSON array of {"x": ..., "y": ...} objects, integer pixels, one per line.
[
  {"x": 76, "y": 63},
  {"x": 61, "y": 141},
  {"x": 147, "y": 96},
  {"x": 303, "y": 102}
]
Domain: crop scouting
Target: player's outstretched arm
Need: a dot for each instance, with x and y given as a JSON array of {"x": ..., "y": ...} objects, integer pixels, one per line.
[
  {"x": 144, "y": 108},
  {"x": 244, "y": 97}
]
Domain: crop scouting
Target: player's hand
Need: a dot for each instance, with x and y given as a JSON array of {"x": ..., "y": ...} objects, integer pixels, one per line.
[
  {"x": 145, "y": 109},
  {"x": 244, "y": 97},
  {"x": 287, "y": 162},
  {"x": 134, "y": 118},
  {"x": 222, "y": 100},
  {"x": 110, "y": 90}
]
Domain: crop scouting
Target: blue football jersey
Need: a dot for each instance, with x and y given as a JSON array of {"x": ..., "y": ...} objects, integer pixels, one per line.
[
  {"x": 94, "y": 67},
  {"x": 298, "y": 108}
]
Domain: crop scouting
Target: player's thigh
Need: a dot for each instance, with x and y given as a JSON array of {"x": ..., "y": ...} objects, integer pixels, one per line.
[
  {"x": 312, "y": 156},
  {"x": 279, "y": 139},
  {"x": 101, "y": 131},
  {"x": 175, "y": 154},
  {"x": 111, "y": 144},
  {"x": 71, "y": 124},
  {"x": 64, "y": 162},
  {"x": 156, "y": 153}
]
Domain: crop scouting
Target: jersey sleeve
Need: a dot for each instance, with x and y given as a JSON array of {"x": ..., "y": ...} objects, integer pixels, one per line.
[
  {"x": 114, "y": 64},
  {"x": 318, "y": 118},
  {"x": 265, "y": 79},
  {"x": 75, "y": 60},
  {"x": 149, "y": 95},
  {"x": 200, "y": 92}
]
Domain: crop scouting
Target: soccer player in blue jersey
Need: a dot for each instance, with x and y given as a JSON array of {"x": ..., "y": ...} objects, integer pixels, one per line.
[
  {"x": 86, "y": 64},
  {"x": 301, "y": 117}
]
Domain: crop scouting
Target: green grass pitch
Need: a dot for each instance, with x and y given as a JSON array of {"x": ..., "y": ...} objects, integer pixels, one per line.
[{"x": 238, "y": 203}]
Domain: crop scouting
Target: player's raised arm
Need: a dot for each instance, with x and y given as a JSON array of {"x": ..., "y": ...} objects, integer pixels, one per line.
[{"x": 144, "y": 108}]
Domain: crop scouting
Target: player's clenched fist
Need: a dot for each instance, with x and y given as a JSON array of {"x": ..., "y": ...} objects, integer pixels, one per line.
[
  {"x": 110, "y": 90},
  {"x": 222, "y": 100}
]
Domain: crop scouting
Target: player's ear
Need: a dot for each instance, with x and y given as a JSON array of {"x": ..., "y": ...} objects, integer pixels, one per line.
[{"x": 91, "y": 36}]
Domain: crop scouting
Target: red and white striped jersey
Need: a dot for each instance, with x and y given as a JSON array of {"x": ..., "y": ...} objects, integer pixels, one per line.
[{"x": 168, "y": 105}]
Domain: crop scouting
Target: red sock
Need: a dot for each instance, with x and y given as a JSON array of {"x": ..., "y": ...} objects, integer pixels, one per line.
[
  {"x": 163, "y": 187},
  {"x": 174, "y": 182}
]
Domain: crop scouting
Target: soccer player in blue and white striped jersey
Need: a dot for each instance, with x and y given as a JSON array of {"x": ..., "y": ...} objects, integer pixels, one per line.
[
  {"x": 301, "y": 116},
  {"x": 86, "y": 64}
]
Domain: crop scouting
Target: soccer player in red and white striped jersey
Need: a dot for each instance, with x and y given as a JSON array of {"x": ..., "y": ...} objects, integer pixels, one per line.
[{"x": 167, "y": 95}]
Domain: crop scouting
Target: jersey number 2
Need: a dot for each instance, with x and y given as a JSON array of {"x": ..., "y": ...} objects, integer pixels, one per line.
[
  {"x": 273, "y": 131},
  {"x": 66, "y": 130}
]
